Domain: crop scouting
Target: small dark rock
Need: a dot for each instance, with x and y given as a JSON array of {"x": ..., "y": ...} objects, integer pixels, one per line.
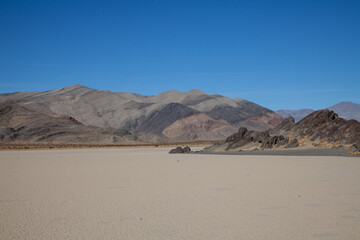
[
  {"x": 177, "y": 150},
  {"x": 293, "y": 144}
]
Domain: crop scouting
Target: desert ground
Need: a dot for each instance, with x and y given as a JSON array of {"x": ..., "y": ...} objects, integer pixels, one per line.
[{"x": 146, "y": 193}]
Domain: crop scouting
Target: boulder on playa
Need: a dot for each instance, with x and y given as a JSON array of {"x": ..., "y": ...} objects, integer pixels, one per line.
[
  {"x": 180, "y": 150},
  {"x": 186, "y": 149}
]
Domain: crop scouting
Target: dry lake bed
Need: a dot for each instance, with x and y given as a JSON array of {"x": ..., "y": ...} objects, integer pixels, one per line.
[{"x": 146, "y": 193}]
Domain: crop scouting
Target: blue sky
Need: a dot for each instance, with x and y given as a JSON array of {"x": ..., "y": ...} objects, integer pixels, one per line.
[{"x": 279, "y": 54}]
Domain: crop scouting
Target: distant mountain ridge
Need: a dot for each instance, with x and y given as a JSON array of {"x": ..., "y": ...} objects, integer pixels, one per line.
[
  {"x": 168, "y": 116},
  {"x": 296, "y": 114},
  {"x": 346, "y": 110}
]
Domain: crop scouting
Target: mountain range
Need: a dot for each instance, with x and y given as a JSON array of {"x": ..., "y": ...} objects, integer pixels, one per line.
[
  {"x": 346, "y": 110},
  {"x": 81, "y": 114}
]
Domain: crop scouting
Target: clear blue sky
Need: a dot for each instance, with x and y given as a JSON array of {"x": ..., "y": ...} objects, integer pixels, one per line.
[{"x": 279, "y": 54}]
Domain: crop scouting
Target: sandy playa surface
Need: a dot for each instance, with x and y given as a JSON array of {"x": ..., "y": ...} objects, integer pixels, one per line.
[{"x": 145, "y": 193}]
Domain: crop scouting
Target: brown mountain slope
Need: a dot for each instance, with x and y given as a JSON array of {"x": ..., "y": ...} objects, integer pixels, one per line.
[
  {"x": 18, "y": 123},
  {"x": 157, "y": 121},
  {"x": 198, "y": 126},
  {"x": 265, "y": 121},
  {"x": 146, "y": 116}
]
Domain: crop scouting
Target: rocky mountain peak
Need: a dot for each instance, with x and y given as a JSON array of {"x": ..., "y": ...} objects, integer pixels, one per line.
[
  {"x": 73, "y": 87},
  {"x": 319, "y": 117}
]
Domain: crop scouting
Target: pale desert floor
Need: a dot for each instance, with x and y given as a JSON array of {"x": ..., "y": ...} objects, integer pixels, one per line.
[{"x": 148, "y": 194}]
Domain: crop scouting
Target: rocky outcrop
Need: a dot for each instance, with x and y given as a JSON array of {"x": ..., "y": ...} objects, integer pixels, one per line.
[
  {"x": 285, "y": 125},
  {"x": 275, "y": 141},
  {"x": 320, "y": 128},
  {"x": 263, "y": 139},
  {"x": 325, "y": 124}
]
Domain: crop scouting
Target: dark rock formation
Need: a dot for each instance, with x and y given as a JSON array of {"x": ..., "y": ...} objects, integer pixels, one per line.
[
  {"x": 323, "y": 126},
  {"x": 285, "y": 125},
  {"x": 277, "y": 141},
  {"x": 180, "y": 150},
  {"x": 245, "y": 137},
  {"x": 239, "y": 139}
]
